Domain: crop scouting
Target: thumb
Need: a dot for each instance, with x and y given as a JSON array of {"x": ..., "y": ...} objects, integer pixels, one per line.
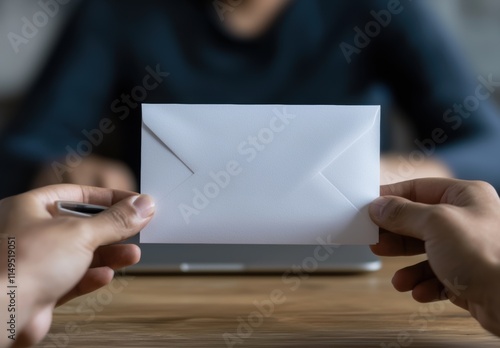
[
  {"x": 399, "y": 215},
  {"x": 122, "y": 220}
]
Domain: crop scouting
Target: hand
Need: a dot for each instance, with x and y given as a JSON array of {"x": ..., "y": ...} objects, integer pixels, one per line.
[
  {"x": 399, "y": 167},
  {"x": 457, "y": 224},
  {"x": 93, "y": 171},
  {"x": 59, "y": 258}
]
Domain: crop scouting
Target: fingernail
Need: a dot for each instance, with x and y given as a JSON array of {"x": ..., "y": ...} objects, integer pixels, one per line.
[
  {"x": 377, "y": 207},
  {"x": 144, "y": 205}
]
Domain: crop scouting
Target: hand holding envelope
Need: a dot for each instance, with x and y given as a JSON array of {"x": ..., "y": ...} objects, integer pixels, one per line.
[{"x": 260, "y": 174}]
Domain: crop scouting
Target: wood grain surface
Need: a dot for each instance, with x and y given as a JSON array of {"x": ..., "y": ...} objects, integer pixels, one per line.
[{"x": 223, "y": 311}]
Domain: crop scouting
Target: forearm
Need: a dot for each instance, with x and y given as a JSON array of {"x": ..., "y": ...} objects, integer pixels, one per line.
[
  {"x": 475, "y": 160},
  {"x": 17, "y": 307},
  {"x": 489, "y": 315},
  {"x": 491, "y": 321},
  {"x": 16, "y": 175}
]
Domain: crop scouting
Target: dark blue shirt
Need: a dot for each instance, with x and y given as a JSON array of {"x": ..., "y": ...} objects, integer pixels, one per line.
[{"x": 312, "y": 54}]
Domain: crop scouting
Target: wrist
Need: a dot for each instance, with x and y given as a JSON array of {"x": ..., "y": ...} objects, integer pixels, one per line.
[
  {"x": 18, "y": 304},
  {"x": 489, "y": 315},
  {"x": 490, "y": 318}
]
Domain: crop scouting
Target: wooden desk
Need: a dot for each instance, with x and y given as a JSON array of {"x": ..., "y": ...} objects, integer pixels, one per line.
[{"x": 323, "y": 311}]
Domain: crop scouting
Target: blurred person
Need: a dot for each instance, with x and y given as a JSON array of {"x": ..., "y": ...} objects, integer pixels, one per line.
[
  {"x": 81, "y": 123},
  {"x": 58, "y": 258},
  {"x": 21, "y": 62},
  {"x": 456, "y": 223},
  {"x": 23, "y": 56}
]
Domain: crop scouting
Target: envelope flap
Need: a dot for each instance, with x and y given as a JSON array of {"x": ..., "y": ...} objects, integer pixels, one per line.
[
  {"x": 204, "y": 137},
  {"x": 174, "y": 135},
  {"x": 362, "y": 160}
]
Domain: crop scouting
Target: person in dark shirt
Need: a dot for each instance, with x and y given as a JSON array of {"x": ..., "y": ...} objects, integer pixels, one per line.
[{"x": 81, "y": 123}]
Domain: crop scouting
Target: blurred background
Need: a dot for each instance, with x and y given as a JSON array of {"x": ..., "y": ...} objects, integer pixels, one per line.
[
  {"x": 473, "y": 25},
  {"x": 18, "y": 70}
]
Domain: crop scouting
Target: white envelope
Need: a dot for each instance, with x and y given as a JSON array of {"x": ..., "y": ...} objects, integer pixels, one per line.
[{"x": 260, "y": 174}]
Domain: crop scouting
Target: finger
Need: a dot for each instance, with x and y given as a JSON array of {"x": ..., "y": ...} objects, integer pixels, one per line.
[
  {"x": 391, "y": 244},
  {"x": 85, "y": 175},
  {"x": 47, "y": 196},
  {"x": 407, "y": 278},
  {"x": 400, "y": 215},
  {"x": 94, "y": 278},
  {"x": 121, "y": 221},
  {"x": 441, "y": 190},
  {"x": 428, "y": 190},
  {"x": 116, "y": 256},
  {"x": 117, "y": 176},
  {"x": 429, "y": 290},
  {"x": 46, "y": 176},
  {"x": 116, "y": 181}
]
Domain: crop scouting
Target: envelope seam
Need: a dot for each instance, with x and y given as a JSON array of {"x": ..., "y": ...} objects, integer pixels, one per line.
[
  {"x": 153, "y": 134},
  {"x": 351, "y": 144},
  {"x": 340, "y": 192}
]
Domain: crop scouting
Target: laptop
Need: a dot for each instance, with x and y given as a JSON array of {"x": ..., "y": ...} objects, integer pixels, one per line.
[{"x": 196, "y": 258}]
